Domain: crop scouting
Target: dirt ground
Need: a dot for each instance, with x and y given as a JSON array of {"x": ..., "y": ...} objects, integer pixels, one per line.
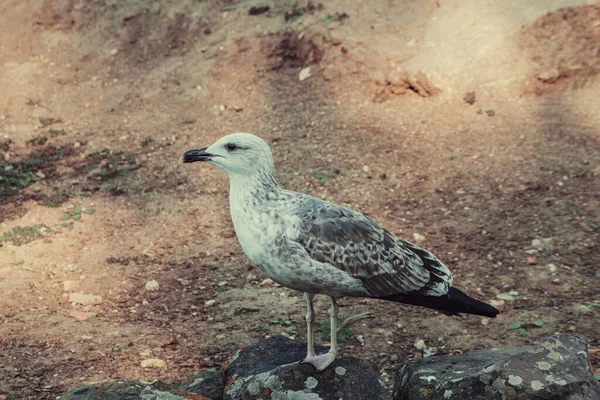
[{"x": 99, "y": 99}]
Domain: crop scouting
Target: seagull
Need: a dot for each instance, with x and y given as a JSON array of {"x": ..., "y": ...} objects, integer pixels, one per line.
[{"x": 316, "y": 247}]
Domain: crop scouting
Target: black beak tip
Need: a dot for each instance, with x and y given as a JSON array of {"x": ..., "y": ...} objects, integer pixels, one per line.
[{"x": 194, "y": 155}]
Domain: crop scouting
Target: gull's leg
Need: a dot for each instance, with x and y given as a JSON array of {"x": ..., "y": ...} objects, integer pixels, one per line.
[
  {"x": 310, "y": 322},
  {"x": 322, "y": 361},
  {"x": 333, "y": 318}
]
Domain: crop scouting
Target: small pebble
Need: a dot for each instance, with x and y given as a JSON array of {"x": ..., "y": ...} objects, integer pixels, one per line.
[
  {"x": 153, "y": 362},
  {"x": 152, "y": 285},
  {"x": 418, "y": 237}
]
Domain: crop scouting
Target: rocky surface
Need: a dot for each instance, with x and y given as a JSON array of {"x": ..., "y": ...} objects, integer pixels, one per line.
[
  {"x": 556, "y": 368},
  {"x": 270, "y": 369}
]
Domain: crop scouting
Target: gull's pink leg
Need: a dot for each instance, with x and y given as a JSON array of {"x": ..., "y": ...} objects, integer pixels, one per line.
[{"x": 322, "y": 361}]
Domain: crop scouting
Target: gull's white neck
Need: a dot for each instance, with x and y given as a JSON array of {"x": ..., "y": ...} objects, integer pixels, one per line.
[{"x": 254, "y": 191}]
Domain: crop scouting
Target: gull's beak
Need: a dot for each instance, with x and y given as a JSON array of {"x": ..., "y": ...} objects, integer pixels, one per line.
[{"x": 195, "y": 155}]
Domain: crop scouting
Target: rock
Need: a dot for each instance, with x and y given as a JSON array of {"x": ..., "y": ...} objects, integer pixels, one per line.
[
  {"x": 154, "y": 363},
  {"x": 549, "y": 75},
  {"x": 152, "y": 285},
  {"x": 554, "y": 369},
  {"x": 530, "y": 260},
  {"x": 581, "y": 309},
  {"x": 419, "y": 344},
  {"x": 80, "y": 315},
  {"x": 122, "y": 389},
  {"x": 505, "y": 296},
  {"x": 497, "y": 303},
  {"x": 85, "y": 299},
  {"x": 544, "y": 243},
  {"x": 304, "y": 73},
  {"x": 330, "y": 73},
  {"x": 418, "y": 237},
  {"x": 270, "y": 369},
  {"x": 69, "y": 285},
  {"x": 208, "y": 384}
]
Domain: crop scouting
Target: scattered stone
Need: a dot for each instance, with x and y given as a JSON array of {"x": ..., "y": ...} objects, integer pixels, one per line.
[
  {"x": 304, "y": 74},
  {"x": 531, "y": 252},
  {"x": 270, "y": 369},
  {"x": 80, "y": 315},
  {"x": 469, "y": 97},
  {"x": 267, "y": 281},
  {"x": 513, "y": 293},
  {"x": 85, "y": 299},
  {"x": 498, "y": 303},
  {"x": 418, "y": 237},
  {"x": 365, "y": 168},
  {"x": 552, "y": 268},
  {"x": 555, "y": 369},
  {"x": 530, "y": 261},
  {"x": 330, "y": 73},
  {"x": 419, "y": 344},
  {"x": 544, "y": 243},
  {"x": 549, "y": 75},
  {"x": 69, "y": 285},
  {"x": 210, "y": 302},
  {"x": 505, "y": 296},
  {"x": 152, "y": 285},
  {"x": 581, "y": 309},
  {"x": 153, "y": 363}
]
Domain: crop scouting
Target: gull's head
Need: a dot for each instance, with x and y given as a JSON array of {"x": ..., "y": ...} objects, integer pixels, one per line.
[{"x": 239, "y": 155}]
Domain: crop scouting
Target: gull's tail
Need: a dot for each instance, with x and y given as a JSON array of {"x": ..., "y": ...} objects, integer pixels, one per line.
[{"x": 454, "y": 302}]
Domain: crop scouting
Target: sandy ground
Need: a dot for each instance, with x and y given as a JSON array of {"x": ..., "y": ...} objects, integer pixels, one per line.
[{"x": 100, "y": 98}]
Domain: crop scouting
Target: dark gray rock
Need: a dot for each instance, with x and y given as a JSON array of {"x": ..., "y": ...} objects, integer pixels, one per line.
[
  {"x": 555, "y": 369},
  {"x": 209, "y": 384},
  {"x": 260, "y": 371},
  {"x": 119, "y": 390},
  {"x": 267, "y": 355}
]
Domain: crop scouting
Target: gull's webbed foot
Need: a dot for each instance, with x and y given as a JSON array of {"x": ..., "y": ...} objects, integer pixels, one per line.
[{"x": 321, "y": 361}]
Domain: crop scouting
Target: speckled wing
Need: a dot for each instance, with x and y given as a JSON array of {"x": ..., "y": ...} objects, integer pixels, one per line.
[{"x": 360, "y": 247}]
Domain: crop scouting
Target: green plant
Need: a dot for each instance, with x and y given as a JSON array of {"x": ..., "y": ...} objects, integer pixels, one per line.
[
  {"x": 335, "y": 17},
  {"x": 522, "y": 326},
  {"x": 490, "y": 113},
  {"x": 329, "y": 172},
  {"x": 284, "y": 320},
  {"x": 325, "y": 328},
  {"x": 260, "y": 327},
  {"x": 75, "y": 213},
  {"x": 593, "y": 304},
  {"x": 56, "y": 132},
  {"x": 479, "y": 111},
  {"x": 117, "y": 347},
  {"x": 22, "y": 235}
]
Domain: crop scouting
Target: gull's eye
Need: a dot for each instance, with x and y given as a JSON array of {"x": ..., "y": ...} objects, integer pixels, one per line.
[{"x": 231, "y": 146}]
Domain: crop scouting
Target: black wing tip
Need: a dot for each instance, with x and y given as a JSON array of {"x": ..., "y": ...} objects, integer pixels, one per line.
[
  {"x": 470, "y": 305},
  {"x": 454, "y": 302}
]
